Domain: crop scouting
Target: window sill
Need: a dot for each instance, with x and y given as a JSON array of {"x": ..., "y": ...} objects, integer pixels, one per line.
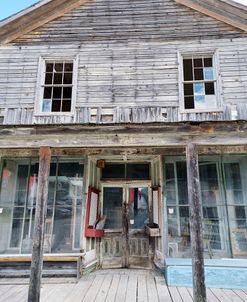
[
  {"x": 54, "y": 114},
  {"x": 214, "y": 110}
]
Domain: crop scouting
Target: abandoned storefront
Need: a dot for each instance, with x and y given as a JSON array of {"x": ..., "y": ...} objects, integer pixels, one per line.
[{"x": 127, "y": 207}]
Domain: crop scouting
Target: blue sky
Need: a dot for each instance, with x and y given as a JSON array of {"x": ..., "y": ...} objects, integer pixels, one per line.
[{"x": 10, "y": 7}]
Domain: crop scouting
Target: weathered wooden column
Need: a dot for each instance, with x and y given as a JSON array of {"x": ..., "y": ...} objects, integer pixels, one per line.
[
  {"x": 39, "y": 225},
  {"x": 194, "y": 194}
]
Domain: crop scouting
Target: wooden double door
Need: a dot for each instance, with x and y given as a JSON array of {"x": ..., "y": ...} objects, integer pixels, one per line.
[{"x": 127, "y": 210}]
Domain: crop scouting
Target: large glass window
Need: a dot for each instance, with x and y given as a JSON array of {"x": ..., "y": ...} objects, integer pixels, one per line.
[
  {"x": 18, "y": 204},
  {"x": 224, "y": 206}
]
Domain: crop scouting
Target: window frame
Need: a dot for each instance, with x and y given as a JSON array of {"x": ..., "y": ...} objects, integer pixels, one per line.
[
  {"x": 43, "y": 60},
  {"x": 218, "y": 88}
]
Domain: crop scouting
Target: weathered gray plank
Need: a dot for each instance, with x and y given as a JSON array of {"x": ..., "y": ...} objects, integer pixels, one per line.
[
  {"x": 103, "y": 291},
  {"x": 185, "y": 294},
  {"x": 175, "y": 294},
  {"x": 113, "y": 289},
  {"x": 211, "y": 297},
  {"x": 131, "y": 289},
  {"x": 93, "y": 290},
  {"x": 242, "y": 294},
  {"x": 219, "y": 293},
  {"x": 152, "y": 291},
  {"x": 80, "y": 289},
  {"x": 142, "y": 289},
  {"x": 232, "y": 295},
  {"x": 122, "y": 287},
  {"x": 162, "y": 289}
]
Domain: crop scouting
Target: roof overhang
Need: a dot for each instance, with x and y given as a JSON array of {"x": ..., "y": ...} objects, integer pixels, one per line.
[
  {"x": 220, "y": 133},
  {"x": 45, "y": 11}
]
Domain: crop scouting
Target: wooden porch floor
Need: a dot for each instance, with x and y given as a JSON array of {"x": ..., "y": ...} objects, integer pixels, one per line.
[{"x": 112, "y": 285}]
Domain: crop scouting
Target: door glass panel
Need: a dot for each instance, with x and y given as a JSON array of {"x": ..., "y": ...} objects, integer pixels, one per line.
[
  {"x": 112, "y": 207},
  {"x": 138, "y": 207}
]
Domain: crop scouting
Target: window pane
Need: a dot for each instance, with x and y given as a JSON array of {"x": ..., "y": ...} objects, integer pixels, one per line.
[
  {"x": 67, "y": 92},
  {"x": 47, "y": 92},
  {"x": 188, "y": 73},
  {"x": 189, "y": 102},
  {"x": 58, "y": 78},
  {"x": 199, "y": 88},
  {"x": 68, "y": 67},
  {"x": 182, "y": 182},
  {"x": 113, "y": 171},
  {"x": 208, "y": 62},
  {"x": 208, "y": 74},
  {"x": 57, "y": 92},
  {"x": 49, "y": 67},
  {"x": 21, "y": 186},
  {"x": 56, "y": 105},
  {"x": 198, "y": 62},
  {"x": 67, "y": 78},
  {"x": 58, "y": 67},
  {"x": 112, "y": 207},
  {"x": 137, "y": 171},
  {"x": 138, "y": 204},
  {"x": 66, "y": 107},
  {"x": 15, "y": 239},
  {"x": 200, "y": 102},
  {"x": 188, "y": 89},
  {"x": 48, "y": 78},
  {"x": 198, "y": 74},
  {"x": 209, "y": 88}
]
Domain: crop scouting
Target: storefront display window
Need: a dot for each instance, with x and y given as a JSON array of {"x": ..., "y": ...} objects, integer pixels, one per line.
[
  {"x": 18, "y": 203},
  {"x": 224, "y": 206}
]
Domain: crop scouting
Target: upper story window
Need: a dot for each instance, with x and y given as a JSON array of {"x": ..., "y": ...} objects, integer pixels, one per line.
[
  {"x": 199, "y": 83},
  {"x": 57, "y": 82}
]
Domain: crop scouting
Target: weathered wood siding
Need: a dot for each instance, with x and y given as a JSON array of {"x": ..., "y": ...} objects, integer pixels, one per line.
[
  {"x": 127, "y": 54},
  {"x": 129, "y": 20}
]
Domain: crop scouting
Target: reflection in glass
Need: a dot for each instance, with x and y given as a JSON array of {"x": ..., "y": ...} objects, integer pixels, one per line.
[
  {"x": 138, "y": 207},
  {"x": 112, "y": 207},
  {"x": 18, "y": 203}
]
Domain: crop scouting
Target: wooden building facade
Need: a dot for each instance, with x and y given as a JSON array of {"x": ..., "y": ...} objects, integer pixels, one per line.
[{"x": 117, "y": 90}]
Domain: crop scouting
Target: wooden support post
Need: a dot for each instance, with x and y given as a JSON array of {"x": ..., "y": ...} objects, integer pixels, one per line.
[
  {"x": 194, "y": 194},
  {"x": 39, "y": 225}
]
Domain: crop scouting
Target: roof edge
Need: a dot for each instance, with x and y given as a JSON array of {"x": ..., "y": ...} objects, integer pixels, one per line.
[
  {"x": 34, "y": 17},
  {"x": 227, "y": 11}
]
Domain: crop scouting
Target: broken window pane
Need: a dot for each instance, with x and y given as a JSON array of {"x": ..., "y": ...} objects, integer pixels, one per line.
[
  {"x": 208, "y": 62},
  {"x": 198, "y": 74},
  {"x": 56, "y": 106},
  {"x": 189, "y": 102},
  {"x": 198, "y": 62},
  {"x": 209, "y": 88},
  {"x": 188, "y": 72},
  {"x": 188, "y": 89}
]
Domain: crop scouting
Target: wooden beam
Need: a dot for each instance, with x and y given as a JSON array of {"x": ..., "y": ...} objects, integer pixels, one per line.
[
  {"x": 119, "y": 136},
  {"x": 39, "y": 225},
  {"x": 228, "y": 12},
  {"x": 194, "y": 194}
]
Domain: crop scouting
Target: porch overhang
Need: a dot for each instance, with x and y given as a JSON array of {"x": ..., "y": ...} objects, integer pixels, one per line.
[{"x": 153, "y": 135}]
